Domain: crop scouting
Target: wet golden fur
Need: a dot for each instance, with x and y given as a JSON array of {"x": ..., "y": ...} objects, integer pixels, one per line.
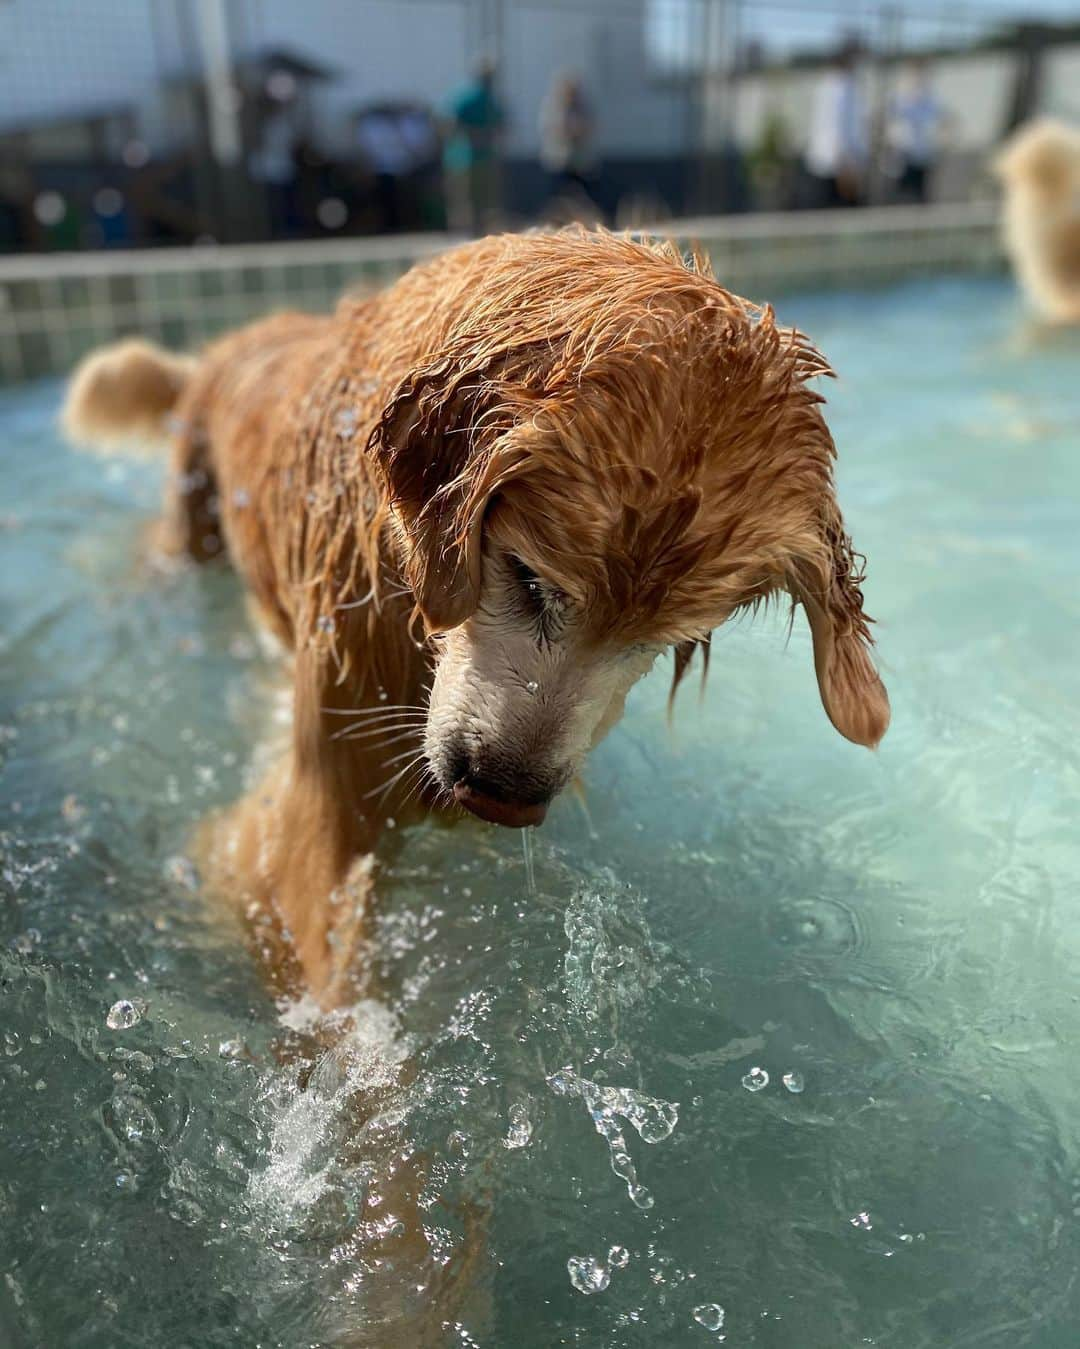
[
  {"x": 647, "y": 442},
  {"x": 650, "y": 442},
  {"x": 1039, "y": 168}
]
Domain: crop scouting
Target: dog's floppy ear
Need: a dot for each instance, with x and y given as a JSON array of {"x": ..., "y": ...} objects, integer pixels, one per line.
[
  {"x": 435, "y": 446},
  {"x": 828, "y": 587}
]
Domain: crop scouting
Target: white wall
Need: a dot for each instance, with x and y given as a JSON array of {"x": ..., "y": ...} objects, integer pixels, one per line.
[
  {"x": 976, "y": 89},
  {"x": 381, "y": 49},
  {"x": 1061, "y": 91},
  {"x": 634, "y": 115},
  {"x": 73, "y": 56}
]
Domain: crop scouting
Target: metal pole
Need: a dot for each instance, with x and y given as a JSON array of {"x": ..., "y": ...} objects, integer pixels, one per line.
[
  {"x": 221, "y": 94},
  {"x": 223, "y": 109}
]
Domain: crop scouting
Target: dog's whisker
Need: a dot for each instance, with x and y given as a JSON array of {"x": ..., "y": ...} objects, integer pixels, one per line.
[
  {"x": 383, "y": 734},
  {"x": 355, "y": 729},
  {"x": 379, "y": 728},
  {"x": 376, "y": 722},
  {"x": 380, "y": 710},
  {"x": 390, "y": 785},
  {"x": 383, "y": 788},
  {"x": 413, "y": 788},
  {"x": 398, "y": 757}
]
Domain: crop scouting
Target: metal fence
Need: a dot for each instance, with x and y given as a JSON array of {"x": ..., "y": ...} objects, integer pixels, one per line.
[{"x": 133, "y": 122}]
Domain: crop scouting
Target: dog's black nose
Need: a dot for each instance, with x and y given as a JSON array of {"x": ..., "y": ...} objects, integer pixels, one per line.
[{"x": 492, "y": 801}]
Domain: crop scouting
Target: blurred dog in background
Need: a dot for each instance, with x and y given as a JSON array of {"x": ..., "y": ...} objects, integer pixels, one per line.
[{"x": 1039, "y": 167}]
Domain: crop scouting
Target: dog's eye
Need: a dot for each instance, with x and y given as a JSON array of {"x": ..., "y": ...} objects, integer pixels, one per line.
[
  {"x": 529, "y": 581},
  {"x": 543, "y": 602}
]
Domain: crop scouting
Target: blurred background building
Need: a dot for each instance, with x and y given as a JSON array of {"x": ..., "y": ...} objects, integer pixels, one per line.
[{"x": 135, "y": 122}]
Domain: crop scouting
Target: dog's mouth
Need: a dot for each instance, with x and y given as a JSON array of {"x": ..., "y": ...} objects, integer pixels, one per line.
[{"x": 496, "y": 808}]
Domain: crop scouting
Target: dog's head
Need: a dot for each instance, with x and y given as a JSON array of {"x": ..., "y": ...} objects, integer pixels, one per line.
[
  {"x": 608, "y": 457},
  {"x": 1042, "y": 161}
]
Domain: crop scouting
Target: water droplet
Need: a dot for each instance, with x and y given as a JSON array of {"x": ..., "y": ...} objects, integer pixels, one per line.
[
  {"x": 794, "y": 1082},
  {"x": 709, "y": 1314},
  {"x": 822, "y": 926},
  {"x": 345, "y": 423},
  {"x": 756, "y": 1079},
  {"x": 241, "y": 498},
  {"x": 325, "y": 623},
  {"x": 458, "y": 1144},
  {"x": 587, "y": 1274},
  {"x": 906, "y": 1238},
  {"x": 133, "y": 1058},
  {"x": 182, "y": 871},
  {"x": 640, "y": 1197},
  {"x": 618, "y": 1257},
  {"x": 533, "y": 686},
  {"x": 520, "y": 1130},
  {"x": 122, "y": 1015}
]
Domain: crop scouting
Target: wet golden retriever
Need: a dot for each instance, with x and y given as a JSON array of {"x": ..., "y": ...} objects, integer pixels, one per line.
[{"x": 475, "y": 508}]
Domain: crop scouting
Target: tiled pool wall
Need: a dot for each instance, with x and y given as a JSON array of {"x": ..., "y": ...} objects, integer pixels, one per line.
[{"x": 54, "y": 308}]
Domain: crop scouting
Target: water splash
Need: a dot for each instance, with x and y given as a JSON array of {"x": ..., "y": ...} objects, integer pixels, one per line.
[
  {"x": 653, "y": 1119},
  {"x": 611, "y": 959},
  {"x": 307, "y": 1126},
  {"x": 794, "y": 1081},
  {"x": 757, "y": 1079}
]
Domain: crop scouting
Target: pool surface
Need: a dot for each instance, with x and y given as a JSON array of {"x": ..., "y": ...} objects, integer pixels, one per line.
[{"x": 575, "y": 1079}]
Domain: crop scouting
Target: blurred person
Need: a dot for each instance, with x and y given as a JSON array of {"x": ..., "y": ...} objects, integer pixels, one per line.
[
  {"x": 1039, "y": 166},
  {"x": 838, "y": 147},
  {"x": 471, "y": 152},
  {"x": 566, "y": 131},
  {"x": 916, "y": 120},
  {"x": 397, "y": 141}
]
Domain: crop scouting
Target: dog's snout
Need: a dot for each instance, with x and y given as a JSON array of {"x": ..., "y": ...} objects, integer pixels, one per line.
[{"x": 495, "y": 802}]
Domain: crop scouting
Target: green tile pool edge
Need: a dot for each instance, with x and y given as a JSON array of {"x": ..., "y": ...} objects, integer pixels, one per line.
[{"x": 48, "y": 320}]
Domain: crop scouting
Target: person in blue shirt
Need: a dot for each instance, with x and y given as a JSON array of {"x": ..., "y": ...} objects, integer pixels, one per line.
[
  {"x": 917, "y": 118},
  {"x": 471, "y": 153}
]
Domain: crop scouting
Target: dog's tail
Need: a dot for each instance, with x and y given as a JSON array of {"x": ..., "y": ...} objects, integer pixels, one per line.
[{"x": 122, "y": 395}]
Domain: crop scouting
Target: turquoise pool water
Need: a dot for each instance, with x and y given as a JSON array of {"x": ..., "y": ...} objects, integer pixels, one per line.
[{"x": 897, "y": 933}]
